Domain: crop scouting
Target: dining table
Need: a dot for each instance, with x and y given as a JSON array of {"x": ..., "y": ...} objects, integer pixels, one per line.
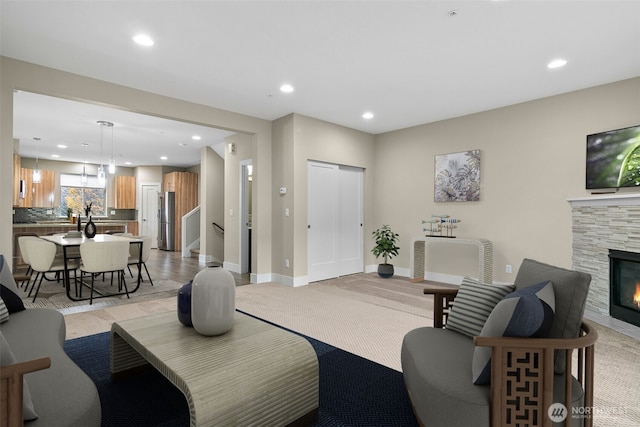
[{"x": 73, "y": 239}]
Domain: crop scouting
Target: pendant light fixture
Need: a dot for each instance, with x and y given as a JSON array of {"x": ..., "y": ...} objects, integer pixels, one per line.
[
  {"x": 112, "y": 162},
  {"x": 102, "y": 176},
  {"x": 84, "y": 179},
  {"x": 37, "y": 175}
]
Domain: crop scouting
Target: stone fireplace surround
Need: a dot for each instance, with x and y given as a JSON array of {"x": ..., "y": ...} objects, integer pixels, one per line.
[{"x": 600, "y": 223}]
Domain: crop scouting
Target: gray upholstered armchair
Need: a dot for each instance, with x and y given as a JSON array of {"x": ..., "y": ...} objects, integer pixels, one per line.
[{"x": 528, "y": 381}]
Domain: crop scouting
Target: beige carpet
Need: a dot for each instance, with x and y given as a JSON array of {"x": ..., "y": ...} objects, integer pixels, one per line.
[
  {"x": 362, "y": 314},
  {"x": 369, "y": 316}
]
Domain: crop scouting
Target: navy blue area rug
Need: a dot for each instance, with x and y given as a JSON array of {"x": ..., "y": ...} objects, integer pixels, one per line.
[{"x": 353, "y": 391}]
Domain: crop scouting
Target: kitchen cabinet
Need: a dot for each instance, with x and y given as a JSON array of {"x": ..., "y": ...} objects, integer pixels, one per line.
[
  {"x": 124, "y": 192},
  {"x": 185, "y": 187},
  {"x": 132, "y": 227},
  {"x": 38, "y": 195}
]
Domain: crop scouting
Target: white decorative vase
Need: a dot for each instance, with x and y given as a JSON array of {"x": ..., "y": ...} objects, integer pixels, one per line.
[{"x": 213, "y": 301}]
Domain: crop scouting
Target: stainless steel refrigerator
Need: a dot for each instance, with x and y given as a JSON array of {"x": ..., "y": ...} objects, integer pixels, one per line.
[{"x": 166, "y": 221}]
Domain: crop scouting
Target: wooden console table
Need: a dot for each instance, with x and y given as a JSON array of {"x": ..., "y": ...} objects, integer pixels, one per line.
[{"x": 418, "y": 253}]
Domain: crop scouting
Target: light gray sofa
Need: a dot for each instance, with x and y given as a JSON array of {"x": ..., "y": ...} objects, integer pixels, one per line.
[
  {"x": 62, "y": 395},
  {"x": 437, "y": 362}
]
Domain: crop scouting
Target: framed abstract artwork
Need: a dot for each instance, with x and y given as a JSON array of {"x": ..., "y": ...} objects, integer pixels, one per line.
[{"x": 457, "y": 177}]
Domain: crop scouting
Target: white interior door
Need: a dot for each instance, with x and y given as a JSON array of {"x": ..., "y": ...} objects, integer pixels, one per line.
[
  {"x": 350, "y": 243},
  {"x": 334, "y": 238},
  {"x": 322, "y": 219},
  {"x": 149, "y": 212}
]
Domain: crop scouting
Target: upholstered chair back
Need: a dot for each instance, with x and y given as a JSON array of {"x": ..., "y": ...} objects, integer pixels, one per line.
[{"x": 570, "y": 288}]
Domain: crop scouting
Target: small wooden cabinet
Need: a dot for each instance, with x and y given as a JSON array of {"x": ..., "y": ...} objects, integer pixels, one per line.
[{"x": 124, "y": 192}]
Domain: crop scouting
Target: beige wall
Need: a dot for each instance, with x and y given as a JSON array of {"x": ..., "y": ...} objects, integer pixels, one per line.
[
  {"x": 148, "y": 175},
  {"x": 283, "y": 227},
  {"x": 18, "y": 75},
  {"x": 532, "y": 161},
  {"x": 211, "y": 196},
  {"x": 296, "y": 140}
]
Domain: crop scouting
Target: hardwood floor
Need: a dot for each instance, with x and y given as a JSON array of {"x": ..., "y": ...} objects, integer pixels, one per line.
[
  {"x": 91, "y": 319},
  {"x": 171, "y": 265}
]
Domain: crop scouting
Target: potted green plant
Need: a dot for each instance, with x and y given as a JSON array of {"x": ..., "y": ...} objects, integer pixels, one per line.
[{"x": 385, "y": 246}]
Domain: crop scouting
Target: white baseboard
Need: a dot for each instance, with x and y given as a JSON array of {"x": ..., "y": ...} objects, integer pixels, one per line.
[
  {"x": 443, "y": 278},
  {"x": 234, "y": 268},
  {"x": 290, "y": 281},
  {"x": 186, "y": 249},
  {"x": 207, "y": 258},
  {"x": 372, "y": 268},
  {"x": 402, "y": 272},
  {"x": 260, "y": 278}
]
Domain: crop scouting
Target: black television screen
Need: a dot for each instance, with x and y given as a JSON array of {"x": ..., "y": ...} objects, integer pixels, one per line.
[{"x": 613, "y": 159}]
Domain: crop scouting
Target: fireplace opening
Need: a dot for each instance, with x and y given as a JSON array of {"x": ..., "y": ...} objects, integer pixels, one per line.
[{"x": 624, "y": 283}]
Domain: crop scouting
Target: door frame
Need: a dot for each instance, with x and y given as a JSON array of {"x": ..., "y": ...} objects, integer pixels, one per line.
[
  {"x": 244, "y": 246},
  {"x": 144, "y": 209}
]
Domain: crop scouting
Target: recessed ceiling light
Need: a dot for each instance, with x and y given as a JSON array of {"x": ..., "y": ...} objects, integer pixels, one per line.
[
  {"x": 55, "y": 155},
  {"x": 127, "y": 163},
  {"x": 62, "y": 146},
  {"x": 163, "y": 157},
  {"x": 368, "y": 115},
  {"x": 557, "y": 63},
  {"x": 286, "y": 88},
  {"x": 196, "y": 137},
  {"x": 143, "y": 40}
]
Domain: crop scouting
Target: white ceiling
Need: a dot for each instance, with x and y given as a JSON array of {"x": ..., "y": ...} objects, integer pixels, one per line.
[
  {"x": 138, "y": 139},
  {"x": 408, "y": 62}
]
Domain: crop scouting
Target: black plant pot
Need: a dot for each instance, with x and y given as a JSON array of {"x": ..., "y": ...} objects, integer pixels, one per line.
[{"x": 385, "y": 270}]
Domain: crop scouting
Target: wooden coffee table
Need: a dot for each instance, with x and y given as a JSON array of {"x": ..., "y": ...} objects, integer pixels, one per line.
[{"x": 255, "y": 374}]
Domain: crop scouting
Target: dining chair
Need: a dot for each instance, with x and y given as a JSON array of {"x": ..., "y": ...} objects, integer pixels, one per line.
[
  {"x": 119, "y": 234},
  {"x": 134, "y": 254},
  {"x": 24, "y": 253},
  {"x": 43, "y": 259},
  {"x": 104, "y": 257}
]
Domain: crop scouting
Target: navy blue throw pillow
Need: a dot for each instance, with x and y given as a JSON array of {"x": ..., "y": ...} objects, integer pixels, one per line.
[{"x": 527, "y": 312}]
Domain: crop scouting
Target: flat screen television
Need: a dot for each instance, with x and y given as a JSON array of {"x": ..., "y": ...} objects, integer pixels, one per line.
[{"x": 613, "y": 159}]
